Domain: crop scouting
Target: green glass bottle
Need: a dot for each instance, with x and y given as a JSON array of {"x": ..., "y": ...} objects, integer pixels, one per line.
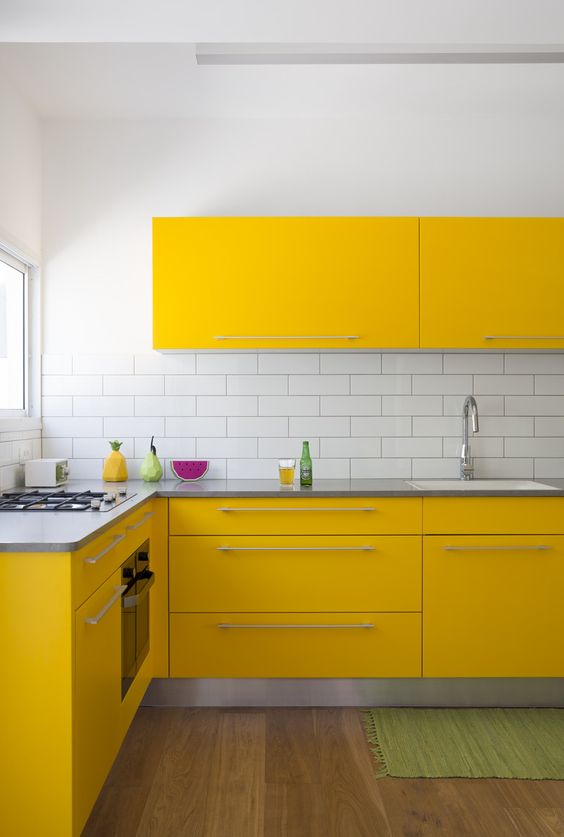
[{"x": 306, "y": 477}]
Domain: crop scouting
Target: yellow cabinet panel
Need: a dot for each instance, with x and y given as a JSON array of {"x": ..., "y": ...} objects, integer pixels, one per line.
[
  {"x": 97, "y": 707},
  {"x": 492, "y": 606},
  {"x": 295, "y": 573},
  {"x": 295, "y": 515},
  {"x": 266, "y": 645},
  {"x": 492, "y": 283},
  {"x": 493, "y": 515},
  {"x": 324, "y": 278}
]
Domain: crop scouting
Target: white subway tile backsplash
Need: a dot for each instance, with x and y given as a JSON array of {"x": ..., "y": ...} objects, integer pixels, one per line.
[
  {"x": 288, "y": 364},
  {"x": 503, "y": 385},
  {"x": 366, "y": 414},
  {"x": 133, "y": 385},
  {"x": 534, "y": 405},
  {"x": 257, "y": 385},
  {"x": 6, "y": 453},
  {"x": 226, "y": 405},
  {"x": 549, "y": 384},
  {"x": 442, "y": 384},
  {"x": 381, "y": 384},
  {"x": 232, "y": 364},
  {"x": 178, "y": 427},
  {"x": 474, "y": 364},
  {"x": 380, "y": 426},
  {"x": 357, "y": 446},
  {"x": 160, "y": 364},
  {"x": 288, "y": 405},
  {"x": 56, "y": 405},
  {"x": 104, "y": 405},
  {"x": 351, "y": 405},
  {"x": 235, "y": 447},
  {"x": 412, "y": 363},
  {"x": 165, "y": 405},
  {"x": 89, "y": 469},
  {"x": 412, "y": 447},
  {"x": 72, "y": 385},
  {"x": 412, "y": 405},
  {"x": 195, "y": 385},
  {"x": 320, "y": 426},
  {"x": 56, "y": 364},
  {"x": 319, "y": 385},
  {"x": 547, "y": 468},
  {"x": 260, "y": 426},
  {"x": 352, "y": 363},
  {"x": 380, "y": 469},
  {"x": 73, "y": 426},
  {"x": 102, "y": 364}
]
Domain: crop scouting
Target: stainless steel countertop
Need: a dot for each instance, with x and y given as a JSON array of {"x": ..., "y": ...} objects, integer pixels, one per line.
[{"x": 67, "y": 531}]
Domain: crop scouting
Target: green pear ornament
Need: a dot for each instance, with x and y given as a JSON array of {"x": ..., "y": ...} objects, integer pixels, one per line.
[{"x": 151, "y": 468}]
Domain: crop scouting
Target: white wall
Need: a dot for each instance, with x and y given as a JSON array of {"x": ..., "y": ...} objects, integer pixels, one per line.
[
  {"x": 105, "y": 181},
  {"x": 20, "y": 173}
]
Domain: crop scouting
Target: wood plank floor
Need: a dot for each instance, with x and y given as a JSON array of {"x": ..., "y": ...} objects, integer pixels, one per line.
[{"x": 295, "y": 773}]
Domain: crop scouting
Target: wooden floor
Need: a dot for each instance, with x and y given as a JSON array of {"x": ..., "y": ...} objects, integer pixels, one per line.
[{"x": 295, "y": 773}]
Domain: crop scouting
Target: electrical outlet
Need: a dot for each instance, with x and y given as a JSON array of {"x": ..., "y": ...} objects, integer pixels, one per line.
[{"x": 23, "y": 451}]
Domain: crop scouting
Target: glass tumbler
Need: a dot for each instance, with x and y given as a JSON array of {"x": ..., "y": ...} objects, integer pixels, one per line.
[{"x": 286, "y": 471}]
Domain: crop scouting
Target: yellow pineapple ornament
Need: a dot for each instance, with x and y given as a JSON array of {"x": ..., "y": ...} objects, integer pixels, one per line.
[{"x": 115, "y": 466}]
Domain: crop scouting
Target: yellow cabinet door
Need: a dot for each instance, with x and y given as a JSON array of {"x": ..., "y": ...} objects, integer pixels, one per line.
[
  {"x": 272, "y": 282},
  {"x": 97, "y": 694},
  {"x": 305, "y": 573},
  {"x": 492, "y": 283},
  {"x": 492, "y": 606},
  {"x": 295, "y": 645}
]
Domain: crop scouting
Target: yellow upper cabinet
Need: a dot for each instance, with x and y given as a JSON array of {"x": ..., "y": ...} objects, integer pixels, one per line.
[
  {"x": 492, "y": 283},
  {"x": 271, "y": 282}
]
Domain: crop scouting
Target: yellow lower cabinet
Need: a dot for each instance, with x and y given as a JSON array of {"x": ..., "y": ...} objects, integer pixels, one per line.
[
  {"x": 298, "y": 573},
  {"x": 97, "y": 694},
  {"x": 492, "y": 606},
  {"x": 295, "y": 645}
]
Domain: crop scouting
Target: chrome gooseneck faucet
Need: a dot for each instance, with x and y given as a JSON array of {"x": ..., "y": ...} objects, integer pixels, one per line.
[{"x": 466, "y": 462}]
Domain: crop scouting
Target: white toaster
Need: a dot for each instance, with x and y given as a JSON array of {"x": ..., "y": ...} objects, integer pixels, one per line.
[{"x": 46, "y": 472}]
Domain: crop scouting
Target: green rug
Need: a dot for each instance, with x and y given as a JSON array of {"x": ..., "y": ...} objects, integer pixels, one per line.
[{"x": 469, "y": 743}]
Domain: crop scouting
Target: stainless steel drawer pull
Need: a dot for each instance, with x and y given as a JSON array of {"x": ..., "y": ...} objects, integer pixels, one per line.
[
  {"x": 95, "y": 558},
  {"x": 524, "y": 337},
  {"x": 294, "y": 509},
  {"x": 324, "y": 627},
  {"x": 93, "y": 620},
  {"x": 527, "y": 548},
  {"x": 139, "y": 523},
  {"x": 295, "y": 549},
  {"x": 286, "y": 337},
  {"x": 133, "y": 601}
]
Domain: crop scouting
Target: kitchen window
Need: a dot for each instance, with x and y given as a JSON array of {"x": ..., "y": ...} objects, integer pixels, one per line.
[{"x": 14, "y": 377}]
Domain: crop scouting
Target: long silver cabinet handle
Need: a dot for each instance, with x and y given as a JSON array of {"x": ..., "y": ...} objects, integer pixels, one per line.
[
  {"x": 224, "y": 625},
  {"x": 527, "y": 548},
  {"x": 93, "y": 620},
  {"x": 294, "y": 509},
  {"x": 295, "y": 549},
  {"x": 143, "y": 520},
  {"x": 524, "y": 337},
  {"x": 95, "y": 558},
  {"x": 286, "y": 337}
]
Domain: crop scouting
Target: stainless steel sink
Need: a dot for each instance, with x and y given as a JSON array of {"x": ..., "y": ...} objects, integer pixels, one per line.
[{"x": 480, "y": 485}]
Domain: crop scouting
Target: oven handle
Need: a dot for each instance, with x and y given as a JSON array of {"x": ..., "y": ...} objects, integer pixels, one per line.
[
  {"x": 137, "y": 598},
  {"x": 119, "y": 591}
]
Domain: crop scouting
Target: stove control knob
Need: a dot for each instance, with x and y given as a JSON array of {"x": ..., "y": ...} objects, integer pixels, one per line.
[
  {"x": 122, "y": 492},
  {"x": 109, "y": 497},
  {"x": 95, "y": 503}
]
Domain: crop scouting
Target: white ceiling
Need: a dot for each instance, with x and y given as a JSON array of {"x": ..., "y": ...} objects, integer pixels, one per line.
[{"x": 135, "y": 59}]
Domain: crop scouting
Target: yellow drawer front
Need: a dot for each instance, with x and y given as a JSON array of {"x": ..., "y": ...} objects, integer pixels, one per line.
[
  {"x": 493, "y": 606},
  {"x": 295, "y": 645},
  {"x": 493, "y": 515},
  {"x": 295, "y": 516},
  {"x": 295, "y": 573},
  {"x": 92, "y": 564}
]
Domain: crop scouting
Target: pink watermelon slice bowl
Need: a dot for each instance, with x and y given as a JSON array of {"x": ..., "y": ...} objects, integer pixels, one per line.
[{"x": 189, "y": 470}]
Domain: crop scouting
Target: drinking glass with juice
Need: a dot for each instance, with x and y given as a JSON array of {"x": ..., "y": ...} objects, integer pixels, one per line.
[{"x": 286, "y": 470}]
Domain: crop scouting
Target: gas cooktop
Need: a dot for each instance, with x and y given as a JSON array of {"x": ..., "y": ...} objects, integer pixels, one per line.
[{"x": 47, "y": 499}]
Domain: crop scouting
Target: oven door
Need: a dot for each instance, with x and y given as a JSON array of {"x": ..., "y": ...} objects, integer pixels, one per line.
[{"x": 135, "y": 626}]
